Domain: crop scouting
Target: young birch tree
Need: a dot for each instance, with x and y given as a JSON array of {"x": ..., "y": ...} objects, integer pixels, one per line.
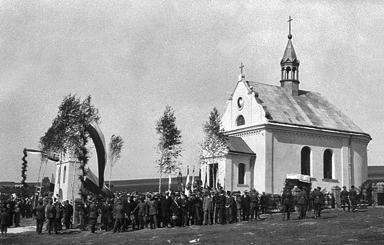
[
  {"x": 115, "y": 147},
  {"x": 67, "y": 134},
  {"x": 169, "y": 147},
  {"x": 215, "y": 144}
]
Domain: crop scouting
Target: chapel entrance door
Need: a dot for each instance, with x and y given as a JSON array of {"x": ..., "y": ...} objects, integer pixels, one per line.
[{"x": 213, "y": 174}]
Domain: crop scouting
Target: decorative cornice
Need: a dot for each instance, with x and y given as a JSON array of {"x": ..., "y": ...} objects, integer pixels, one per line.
[{"x": 310, "y": 130}]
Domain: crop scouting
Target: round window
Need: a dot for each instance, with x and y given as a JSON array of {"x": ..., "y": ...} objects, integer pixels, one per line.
[{"x": 240, "y": 103}]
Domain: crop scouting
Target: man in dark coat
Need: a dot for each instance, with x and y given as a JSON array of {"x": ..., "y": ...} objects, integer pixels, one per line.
[
  {"x": 302, "y": 201},
  {"x": 118, "y": 211},
  {"x": 229, "y": 203},
  {"x": 165, "y": 203},
  {"x": 318, "y": 199},
  {"x": 40, "y": 216},
  {"x": 287, "y": 202},
  {"x": 93, "y": 213},
  {"x": 353, "y": 197},
  {"x": 67, "y": 214},
  {"x": 344, "y": 198},
  {"x": 221, "y": 207},
  {"x": 50, "y": 214},
  {"x": 207, "y": 208},
  {"x": 254, "y": 204},
  {"x": 245, "y": 205},
  {"x": 184, "y": 204}
]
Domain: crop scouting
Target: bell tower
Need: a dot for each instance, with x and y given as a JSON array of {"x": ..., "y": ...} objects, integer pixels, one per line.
[{"x": 290, "y": 67}]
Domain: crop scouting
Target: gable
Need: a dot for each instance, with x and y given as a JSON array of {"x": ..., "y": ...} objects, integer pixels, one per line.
[{"x": 242, "y": 107}]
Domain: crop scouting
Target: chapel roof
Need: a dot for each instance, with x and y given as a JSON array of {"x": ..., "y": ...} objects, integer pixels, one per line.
[
  {"x": 307, "y": 108},
  {"x": 238, "y": 145}
]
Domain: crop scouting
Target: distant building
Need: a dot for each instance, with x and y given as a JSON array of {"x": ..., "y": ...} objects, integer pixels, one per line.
[
  {"x": 376, "y": 173},
  {"x": 277, "y": 131}
]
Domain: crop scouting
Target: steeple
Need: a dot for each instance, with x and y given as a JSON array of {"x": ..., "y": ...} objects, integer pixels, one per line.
[{"x": 290, "y": 67}]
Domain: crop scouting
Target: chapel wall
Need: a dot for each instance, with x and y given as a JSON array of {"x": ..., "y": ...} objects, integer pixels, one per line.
[
  {"x": 287, "y": 157},
  {"x": 360, "y": 162},
  {"x": 255, "y": 139},
  {"x": 232, "y": 181}
]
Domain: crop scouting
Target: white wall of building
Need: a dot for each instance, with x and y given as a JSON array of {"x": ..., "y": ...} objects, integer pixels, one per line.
[{"x": 69, "y": 183}]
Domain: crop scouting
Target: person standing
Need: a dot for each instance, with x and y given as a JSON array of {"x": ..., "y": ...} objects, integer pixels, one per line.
[
  {"x": 344, "y": 198},
  {"x": 40, "y": 216},
  {"x": 67, "y": 214},
  {"x": 165, "y": 203},
  {"x": 93, "y": 213},
  {"x": 287, "y": 201},
  {"x": 3, "y": 222},
  {"x": 353, "y": 197},
  {"x": 229, "y": 203},
  {"x": 17, "y": 215},
  {"x": 263, "y": 203},
  {"x": 50, "y": 213},
  {"x": 207, "y": 208},
  {"x": 152, "y": 212},
  {"x": 302, "y": 203},
  {"x": 221, "y": 208},
  {"x": 238, "y": 207},
  {"x": 318, "y": 199},
  {"x": 245, "y": 204},
  {"x": 118, "y": 211}
]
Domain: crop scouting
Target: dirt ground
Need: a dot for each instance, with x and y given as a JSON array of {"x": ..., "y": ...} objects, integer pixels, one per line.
[{"x": 334, "y": 227}]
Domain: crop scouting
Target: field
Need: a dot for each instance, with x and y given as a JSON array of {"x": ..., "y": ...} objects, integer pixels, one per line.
[{"x": 334, "y": 227}]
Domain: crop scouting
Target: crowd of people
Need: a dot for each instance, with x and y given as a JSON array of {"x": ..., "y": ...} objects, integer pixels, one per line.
[
  {"x": 135, "y": 211},
  {"x": 12, "y": 210}
]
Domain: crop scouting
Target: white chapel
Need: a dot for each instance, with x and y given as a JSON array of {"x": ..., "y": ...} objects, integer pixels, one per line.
[{"x": 279, "y": 130}]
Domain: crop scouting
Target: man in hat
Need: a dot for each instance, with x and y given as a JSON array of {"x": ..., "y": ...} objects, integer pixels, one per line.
[
  {"x": 344, "y": 198},
  {"x": 318, "y": 199},
  {"x": 118, "y": 211},
  {"x": 353, "y": 197},
  {"x": 40, "y": 216},
  {"x": 207, "y": 208},
  {"x": 229, "y": 203},
  {"x": 245, "y": 205},
  {"x": 93, "y": 213}
]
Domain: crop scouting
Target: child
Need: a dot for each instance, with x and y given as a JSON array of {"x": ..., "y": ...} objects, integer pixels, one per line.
[{"x": 3, "y": 222}]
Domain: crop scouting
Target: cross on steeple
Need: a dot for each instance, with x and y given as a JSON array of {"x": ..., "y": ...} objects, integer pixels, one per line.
[
  {"x": 242, "y": 70},
  {"x": 289, "y": 23}
]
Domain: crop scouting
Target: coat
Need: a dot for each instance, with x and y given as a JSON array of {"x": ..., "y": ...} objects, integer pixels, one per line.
[
  {"x": 152, "y": 207},
  {"x": 207, "y": 203},
  {"x": 39, "y": 212},
  {"x": 50, "y": 211},
  {"x": 118, "y": 211}
]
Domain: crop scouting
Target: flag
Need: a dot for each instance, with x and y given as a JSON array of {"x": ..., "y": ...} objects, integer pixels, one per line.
[
  {"x": 193, "y": 178},
  {"x": 206, "y": 177},
  {"x": 187, "y": 183}
]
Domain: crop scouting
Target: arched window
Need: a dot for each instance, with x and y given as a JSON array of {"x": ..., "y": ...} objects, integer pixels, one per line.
[
  {"x": 241, "y": 176},
  {"x": 58, "y": 175},
  {"x": 65, "y": 171},
  {"x": 306, "y": 160},
  {"x": 327, "y": 164},
  {"x": 240, "y": 120}
]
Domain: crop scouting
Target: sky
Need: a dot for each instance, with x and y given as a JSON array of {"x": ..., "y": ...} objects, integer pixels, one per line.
[{"x": 136, "y": 57}]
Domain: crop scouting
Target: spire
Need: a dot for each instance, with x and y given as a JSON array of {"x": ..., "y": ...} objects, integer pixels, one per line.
[
  {"x": 290, "y": 66},
  {"x": 289, "y": 54}
]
